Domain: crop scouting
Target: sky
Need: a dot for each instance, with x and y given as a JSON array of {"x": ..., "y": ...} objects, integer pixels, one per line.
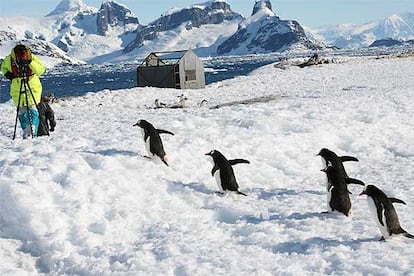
[{"x": 310, "y": 13}]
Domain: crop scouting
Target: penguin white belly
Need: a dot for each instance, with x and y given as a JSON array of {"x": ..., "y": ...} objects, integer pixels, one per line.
[
  {"x": 328, "y": 196},
  {"x": 218, "y": 180},
  {"x": 373, "y": 209},
  {"x": 147, "y": 147}
]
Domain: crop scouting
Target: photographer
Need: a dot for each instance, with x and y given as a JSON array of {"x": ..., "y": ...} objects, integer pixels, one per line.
[{"x": 22, "y": 65}]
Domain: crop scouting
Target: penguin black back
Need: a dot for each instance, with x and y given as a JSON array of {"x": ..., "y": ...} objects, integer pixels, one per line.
[
  {"x": 153, "y": 140},
  {"x": 226, "y": 179},
  {"x": 339, "y": 200}
]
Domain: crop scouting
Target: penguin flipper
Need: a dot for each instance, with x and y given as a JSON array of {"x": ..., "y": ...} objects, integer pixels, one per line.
[
  {"x": 396, "y": 200},
  {"x": 146, "y": 135},
  {"x": 238, "y": 161},
  {"x": 349, "y": 180},
  {"x": 213, "y": 171},
  {"x": 160, "y": 131},
  {"x": 380, "y": 209},
  {"x": 240, "y": 193},
  {"x": 348, "y": 158}
]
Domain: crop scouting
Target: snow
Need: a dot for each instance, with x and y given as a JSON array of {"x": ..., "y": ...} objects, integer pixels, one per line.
[{"x": 85, "y": 201}]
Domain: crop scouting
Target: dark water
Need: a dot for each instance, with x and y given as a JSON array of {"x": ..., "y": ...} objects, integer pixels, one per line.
[{"x": 78, "y": 80}]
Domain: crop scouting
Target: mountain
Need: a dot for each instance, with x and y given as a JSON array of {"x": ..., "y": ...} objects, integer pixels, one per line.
[
  {"x": 264, "y": 32},
  {"x": 80, "y": 31},
  {"x": 89, "y": 33},
  {"x": 200, "y": 25},
  {"x": 396, "y": 27},
  {"x": 74, "y": 6},
  {"x": 112, "y": 14},
  {"x": 385, "y": 43},
  {"x": 113, "y": 33}
]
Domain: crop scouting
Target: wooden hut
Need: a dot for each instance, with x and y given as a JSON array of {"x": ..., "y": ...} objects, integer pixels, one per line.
[{"x": 176, "y": 69}]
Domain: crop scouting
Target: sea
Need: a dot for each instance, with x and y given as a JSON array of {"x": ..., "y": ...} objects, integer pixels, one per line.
[{"x": 77, "y": 80}]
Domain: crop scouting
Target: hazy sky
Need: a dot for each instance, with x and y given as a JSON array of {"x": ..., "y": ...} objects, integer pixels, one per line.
[{"x": 311, "y": 13}]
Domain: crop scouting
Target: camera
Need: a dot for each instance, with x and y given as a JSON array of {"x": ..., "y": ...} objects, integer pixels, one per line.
[{"x": 23, "y": 65}]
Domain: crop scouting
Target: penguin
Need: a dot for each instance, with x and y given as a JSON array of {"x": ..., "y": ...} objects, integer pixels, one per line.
[
  {"x": 152, "y": 140},
  {"x": 381, "y": 208},
  {"x": 329, "y": 158},
  {"x": 223, "y": 172},
  {"x": 339, "y": 195},
  {"x": 202, "y": 103},
  {"x": 184, "y": 102},
  {"x": 159, "y": 104}
]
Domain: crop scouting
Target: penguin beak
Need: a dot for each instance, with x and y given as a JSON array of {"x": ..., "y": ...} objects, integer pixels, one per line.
[
  {"x": 323, "y": 170},
  {"x": 136, "y": 124}
]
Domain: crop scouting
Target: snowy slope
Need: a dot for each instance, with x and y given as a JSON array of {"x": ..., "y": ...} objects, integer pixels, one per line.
[{"x": 85, "y": 201}]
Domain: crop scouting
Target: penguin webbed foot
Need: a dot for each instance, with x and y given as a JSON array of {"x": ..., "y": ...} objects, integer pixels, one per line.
[
  {"x": 382, "y": 239},
  {"x": 165, "y": 162}
]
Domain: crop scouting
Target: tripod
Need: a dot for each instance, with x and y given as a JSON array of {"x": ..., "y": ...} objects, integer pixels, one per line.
[{"x": 23, "y": 67}]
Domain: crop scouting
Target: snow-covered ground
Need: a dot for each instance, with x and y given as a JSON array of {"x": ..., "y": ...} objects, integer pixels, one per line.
[{"x": 85, "y": 201}]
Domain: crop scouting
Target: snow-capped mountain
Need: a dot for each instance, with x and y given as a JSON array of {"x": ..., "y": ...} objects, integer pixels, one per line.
[
  {"x": 396, "y": 27},
  {"x": 265, "y": 32},
  {"x": 200, "y": 25},
  {"x": 78, "y": 30},
  {"x": 74, "y": 6},
  {"x": 112, "y": 14},
  {"x": 113, "y": 32}
]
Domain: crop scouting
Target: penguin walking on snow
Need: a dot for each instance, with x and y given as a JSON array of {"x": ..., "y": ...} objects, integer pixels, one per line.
[
  {"x": 152, "y": 139},
  {"x": 223, "y": 172},
  {"x": 339, "y": 195},
  {"x": 330, "y": 158},
  {"x": 384, "y": 212}
]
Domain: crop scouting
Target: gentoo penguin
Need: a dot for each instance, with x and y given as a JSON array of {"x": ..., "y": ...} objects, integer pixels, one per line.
[
  {"x": 329, "y": 158},
  {"x": 339, "y": 195},
  {"x": 384, "y": 212},
  {"x": 184, "y": 102},
  {"x": 152, "y": 140},
  {"x": 159, "y": 104},
  {"x": 202, "y": 103},
  {"x": 223, "y": 172}
]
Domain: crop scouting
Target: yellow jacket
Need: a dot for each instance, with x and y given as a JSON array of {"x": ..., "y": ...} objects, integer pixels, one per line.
[{"x": 37, "y": 69}]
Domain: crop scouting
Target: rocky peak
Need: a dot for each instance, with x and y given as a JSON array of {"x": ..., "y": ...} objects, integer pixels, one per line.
[
  {"x": 211, "y": 12},
  {"x": 112, "y": 14},
  {"x": 260, "y": 5},
  {"x": 264, "y": 32}
]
